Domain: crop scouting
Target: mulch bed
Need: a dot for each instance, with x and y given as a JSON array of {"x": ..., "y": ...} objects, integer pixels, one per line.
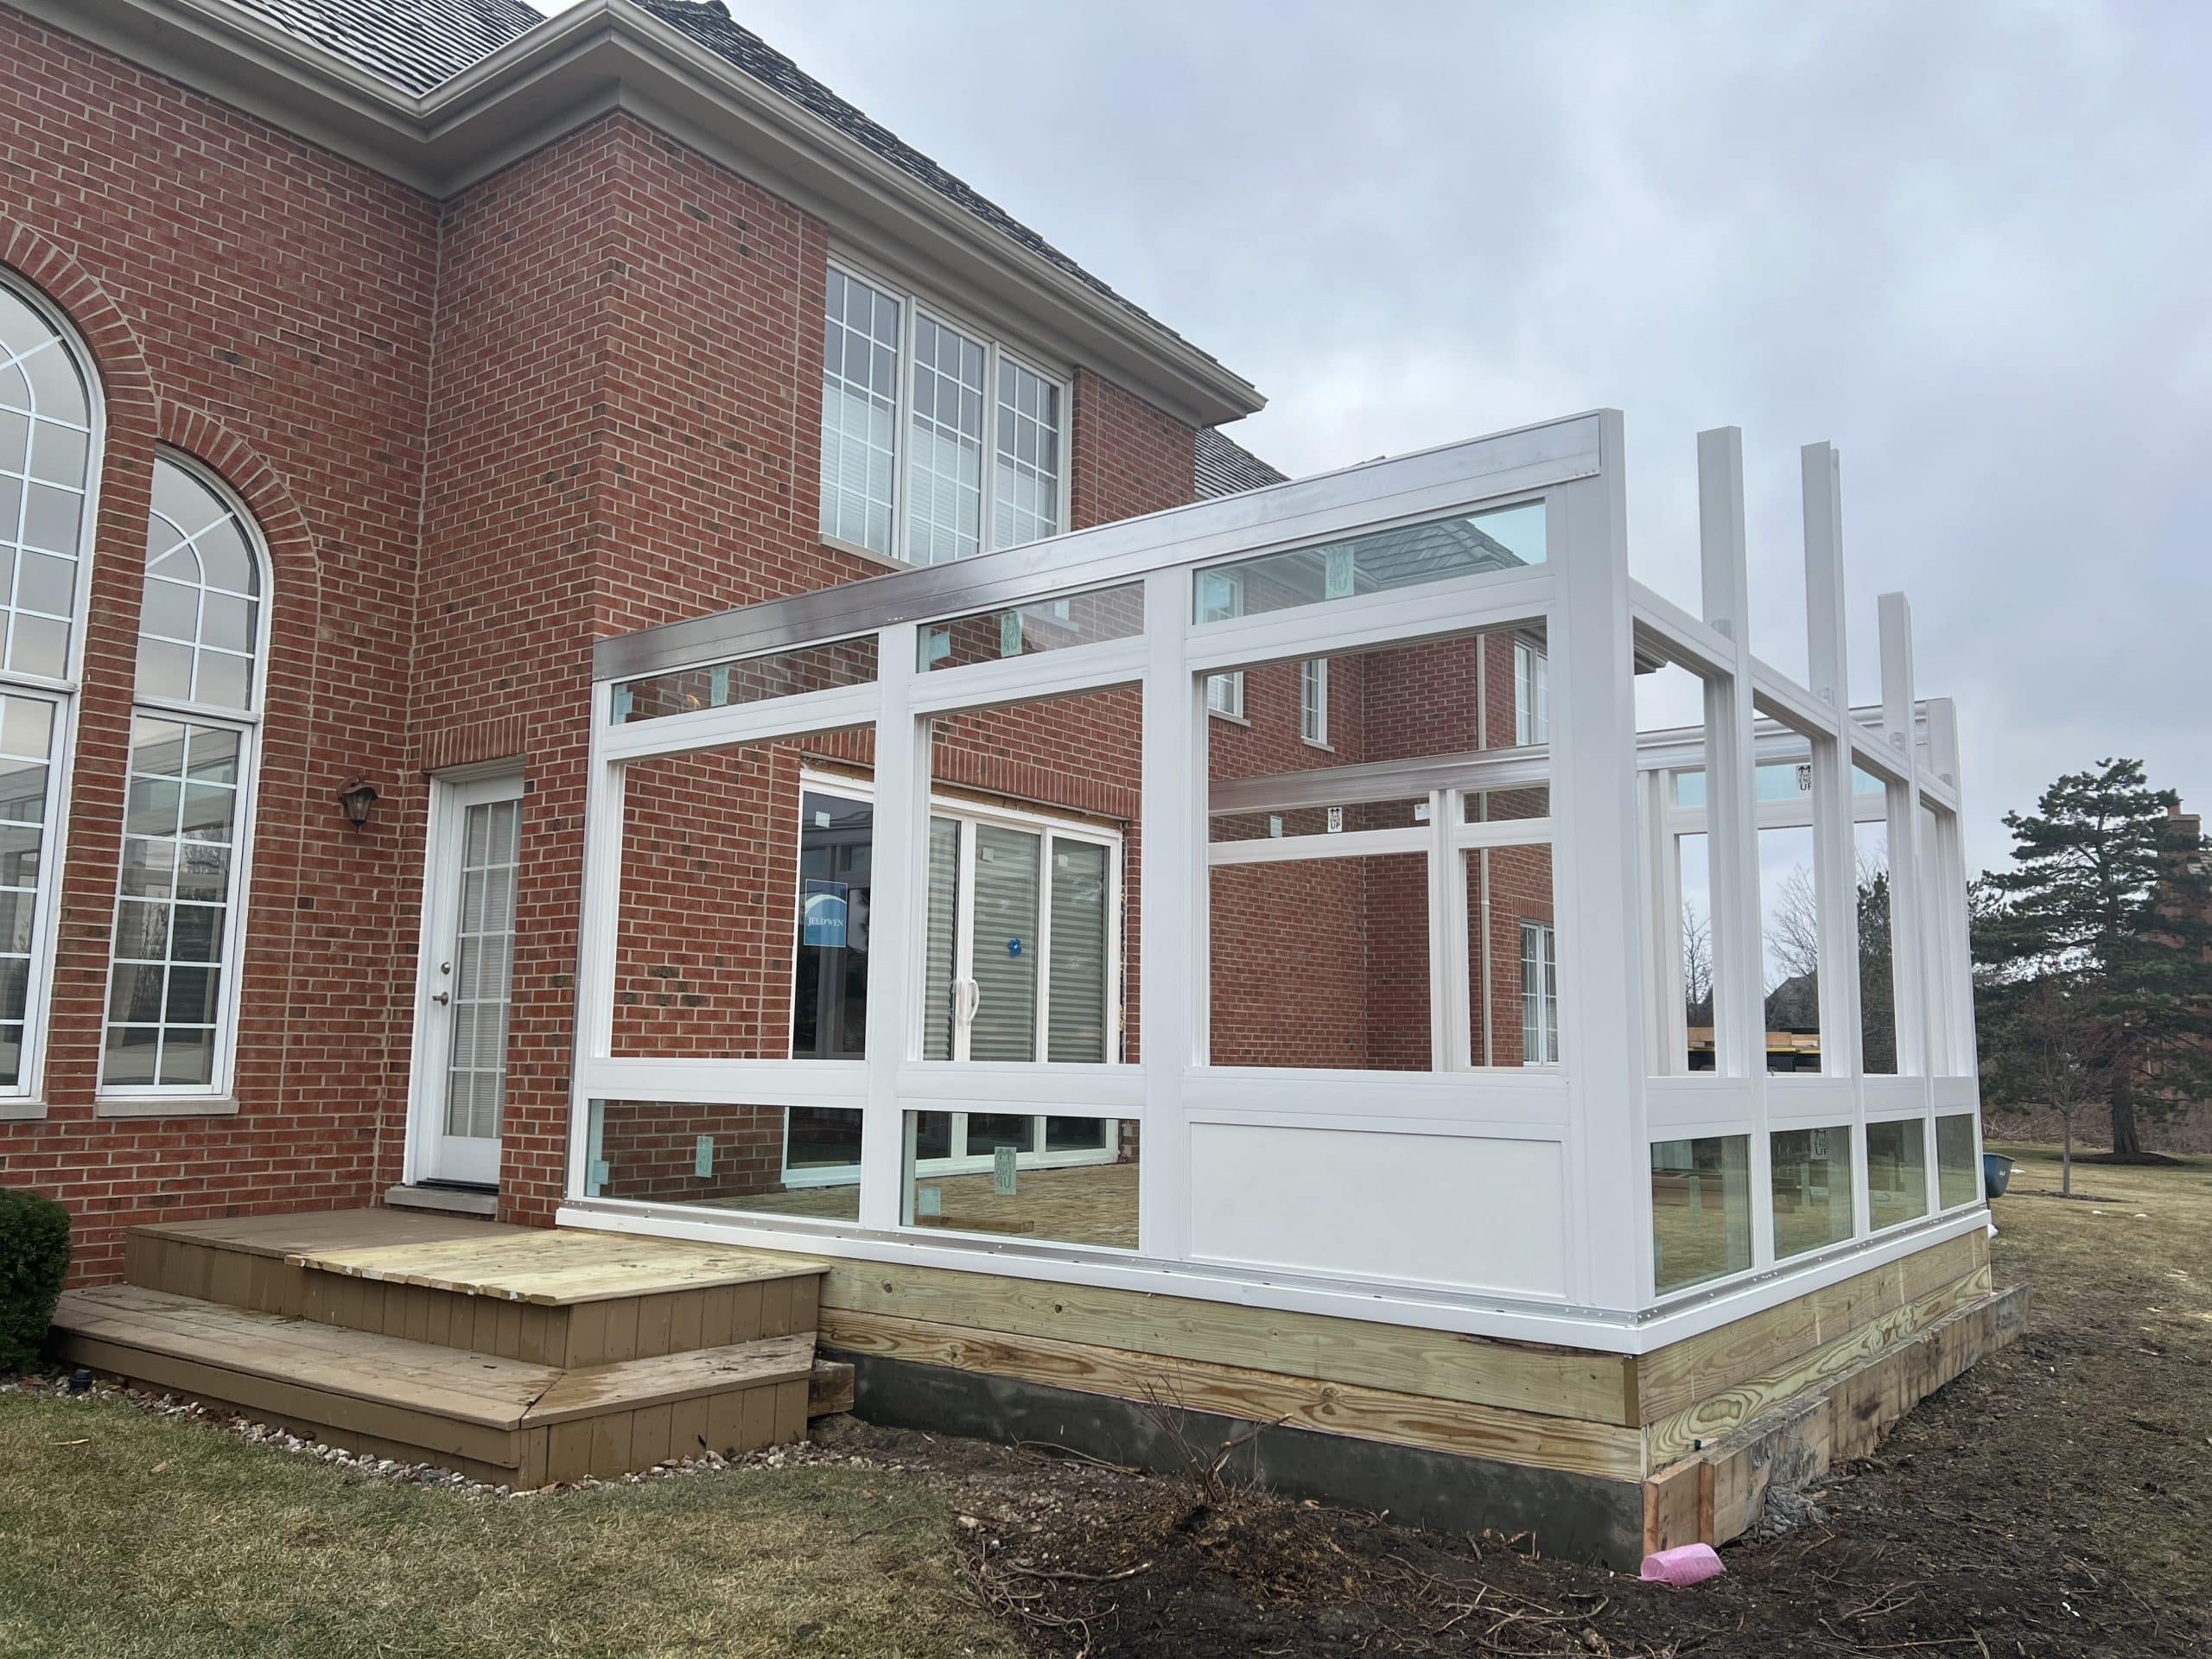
[{"x": 2057, "y": 1501}]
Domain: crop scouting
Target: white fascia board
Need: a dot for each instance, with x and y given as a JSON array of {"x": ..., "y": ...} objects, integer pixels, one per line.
[{"x": 608, "y": 54}]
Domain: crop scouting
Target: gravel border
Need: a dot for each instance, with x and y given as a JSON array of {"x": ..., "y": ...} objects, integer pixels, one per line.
[{"x": 804, "y": 1454}]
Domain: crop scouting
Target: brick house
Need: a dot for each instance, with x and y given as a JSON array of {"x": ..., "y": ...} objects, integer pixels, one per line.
[
  {"x": 499, "y": 516},
  {"x": 463, "y": 404}
]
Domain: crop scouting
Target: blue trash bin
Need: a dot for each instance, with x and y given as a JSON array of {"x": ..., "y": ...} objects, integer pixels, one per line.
[{"x": 1996, "y": 1173}]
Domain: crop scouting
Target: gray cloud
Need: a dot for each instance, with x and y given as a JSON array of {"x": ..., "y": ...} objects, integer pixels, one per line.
[{"x": 1967, "y": 243}]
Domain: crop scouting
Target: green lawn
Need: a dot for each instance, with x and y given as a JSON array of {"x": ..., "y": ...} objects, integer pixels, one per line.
[{"x": 126, "y": 1536}]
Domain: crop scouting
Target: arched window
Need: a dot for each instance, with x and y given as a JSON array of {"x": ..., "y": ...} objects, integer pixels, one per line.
[
  {"x": 180, "y": 906},
  {"x": 49, "y": 455}
]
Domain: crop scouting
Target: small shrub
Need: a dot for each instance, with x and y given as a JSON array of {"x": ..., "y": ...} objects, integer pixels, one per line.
[{"x": 34, "y": 1259}]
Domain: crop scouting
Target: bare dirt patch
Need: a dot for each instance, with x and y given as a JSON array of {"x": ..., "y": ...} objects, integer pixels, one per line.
[{"x": 2056, "y": 1501}]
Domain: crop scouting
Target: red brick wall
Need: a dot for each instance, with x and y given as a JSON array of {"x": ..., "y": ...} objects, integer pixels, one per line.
[
  {"x": 583, "y": 397},
  {"x": 266, "y": 307}
]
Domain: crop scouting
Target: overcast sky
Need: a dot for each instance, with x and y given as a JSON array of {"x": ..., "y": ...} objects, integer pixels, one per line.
[{"x": 1971, "y": 245}]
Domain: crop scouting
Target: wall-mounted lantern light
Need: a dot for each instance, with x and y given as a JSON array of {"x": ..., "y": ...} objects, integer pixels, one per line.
[{"x": 359, "y": 797}]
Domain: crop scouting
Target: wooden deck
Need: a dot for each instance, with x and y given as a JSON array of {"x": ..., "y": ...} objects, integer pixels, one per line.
[
  {"x": 526, "y": 1355},
  {"x": 513, "y": 1354}
]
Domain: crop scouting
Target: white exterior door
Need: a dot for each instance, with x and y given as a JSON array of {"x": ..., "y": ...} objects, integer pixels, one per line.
[{"x": 468, "y": 934}]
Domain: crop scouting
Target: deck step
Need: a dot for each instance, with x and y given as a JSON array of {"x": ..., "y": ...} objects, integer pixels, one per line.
[
  {"x": 510, "y": 1420},
  {"x": 566, "y": 1297}
]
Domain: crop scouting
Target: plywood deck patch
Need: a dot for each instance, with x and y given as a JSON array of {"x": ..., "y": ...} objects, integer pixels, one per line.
[{"x": 556, "y": 1270}]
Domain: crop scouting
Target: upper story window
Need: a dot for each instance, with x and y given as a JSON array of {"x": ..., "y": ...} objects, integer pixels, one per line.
[
  {"x": 49, "y": 446},
  {"x": 189, "y": 809},
  {"x": 1532, "y": 694},
  {"x": 936, "y": 443}
]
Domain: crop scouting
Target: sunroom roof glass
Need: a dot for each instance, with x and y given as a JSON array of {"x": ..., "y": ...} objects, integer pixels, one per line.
[{"x": 1406, "y": 556}]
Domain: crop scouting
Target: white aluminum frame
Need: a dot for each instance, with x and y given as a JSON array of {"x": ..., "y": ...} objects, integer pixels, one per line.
[{"x": 1599, "y": 1107}]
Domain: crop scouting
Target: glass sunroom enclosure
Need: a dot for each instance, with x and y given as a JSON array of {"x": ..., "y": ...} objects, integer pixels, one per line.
[{"x": 1280, "y": 901}]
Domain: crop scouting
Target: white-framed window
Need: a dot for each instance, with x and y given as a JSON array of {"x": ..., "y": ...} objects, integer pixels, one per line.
[
  {"x": 1539, "y": 994},
  {"x": 189, "y": 806},
  {"x": 50, "y": 447},
  {"x": 1022, "y": 960},
  {"x": 1221, "y": 595},
  {"x": 1532, "y": 694},
  {"x": 1313, "y": 700},
  {"x": 937, "y": 443},
  {"x": 1022, "y": 931}
]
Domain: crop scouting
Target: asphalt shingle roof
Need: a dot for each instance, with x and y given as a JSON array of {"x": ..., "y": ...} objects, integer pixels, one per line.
[
  {"x": 1227, "y": 467},
  {"x": 417, "y": 45}
]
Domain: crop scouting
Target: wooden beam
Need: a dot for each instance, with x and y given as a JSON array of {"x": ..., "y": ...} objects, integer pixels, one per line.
[
  {"x": 1552, "y": 1442},
  {"x": 1671, "y": 1379},
  {"x": 1718, "y": 1415},
  {"x": 1440, "y": 1366}
]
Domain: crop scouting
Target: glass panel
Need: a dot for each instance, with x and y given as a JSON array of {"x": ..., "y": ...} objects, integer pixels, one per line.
[
  {"x": 1506, "y": 805},
  {"x": 1958, "y": 1172},
  {"x": 44, "y": 448},
  {"x": 166, "y": 995},
  {"x": 836, "y": 876},
  {"x": 860, "y": 401},
  {"x": 1877, "y": 1010},
  {"x": 1025, "y": 505},
  {"x": 196, "y": 622},
  {"x": 795, "y": 1163},
  {"x": 940, "y": 942},
  {"x": 1027, "y": 629},
  {"x": 745, "y": 881},
  {"x": 1089, "y": 1203},
  {"x": 944, "y": 470},
  {"x": 1027, "y": 940},
  {"x": 1512, "y": 956},
  {"x": 1688, "y": 975},
  {"x": 1077, "y": 1003},
  {"x": 1896, "y": 1172},
  {"x": 1321, "y": 963},
  {"x": 1790, "y": 934},
  {"x": 1505, "y": 538},
  {"x": 483, "y": 953},
  {"x": 1701, "y": 1210},
  {"x": 1004, "y": 944},
  {"x": 1408, "y": 813},
  {"x": 751, "y": 679},
  {"x": 1082, "y": 1134},
  {"x": 1811, "y": 1184},
  {"x": 26, "y": 746}
]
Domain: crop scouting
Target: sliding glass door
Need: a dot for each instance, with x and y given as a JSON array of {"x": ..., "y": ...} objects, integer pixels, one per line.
[{"x": 1021, "y": 962}]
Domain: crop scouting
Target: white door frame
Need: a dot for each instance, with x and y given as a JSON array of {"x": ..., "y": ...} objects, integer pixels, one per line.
[{"x": 431, "y": 1155}]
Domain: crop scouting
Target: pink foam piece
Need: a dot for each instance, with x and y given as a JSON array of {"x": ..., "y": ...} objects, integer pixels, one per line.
[{"x": 1685, "y": 1563}]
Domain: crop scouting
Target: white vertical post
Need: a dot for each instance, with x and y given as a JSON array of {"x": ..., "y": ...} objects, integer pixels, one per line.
[
  {"x": 1604, "y": 1003},
  {"x": 1731, "y": 805},
  {"x": 1907, "y": 937},
  {"x": 899, "y": 859},
  {"x": 1946, "y": 892},
  {"x": 1731, "y": 810},
  {"x": 1835, "y": 841},
  {"x": 1172, "y": 941},
  {"x": 596, "y": 932}
]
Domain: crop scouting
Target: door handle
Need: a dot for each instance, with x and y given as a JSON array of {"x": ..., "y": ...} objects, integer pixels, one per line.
[
  {"x": 440, "y": 998},
  {"x": 967, "y": 997}
]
